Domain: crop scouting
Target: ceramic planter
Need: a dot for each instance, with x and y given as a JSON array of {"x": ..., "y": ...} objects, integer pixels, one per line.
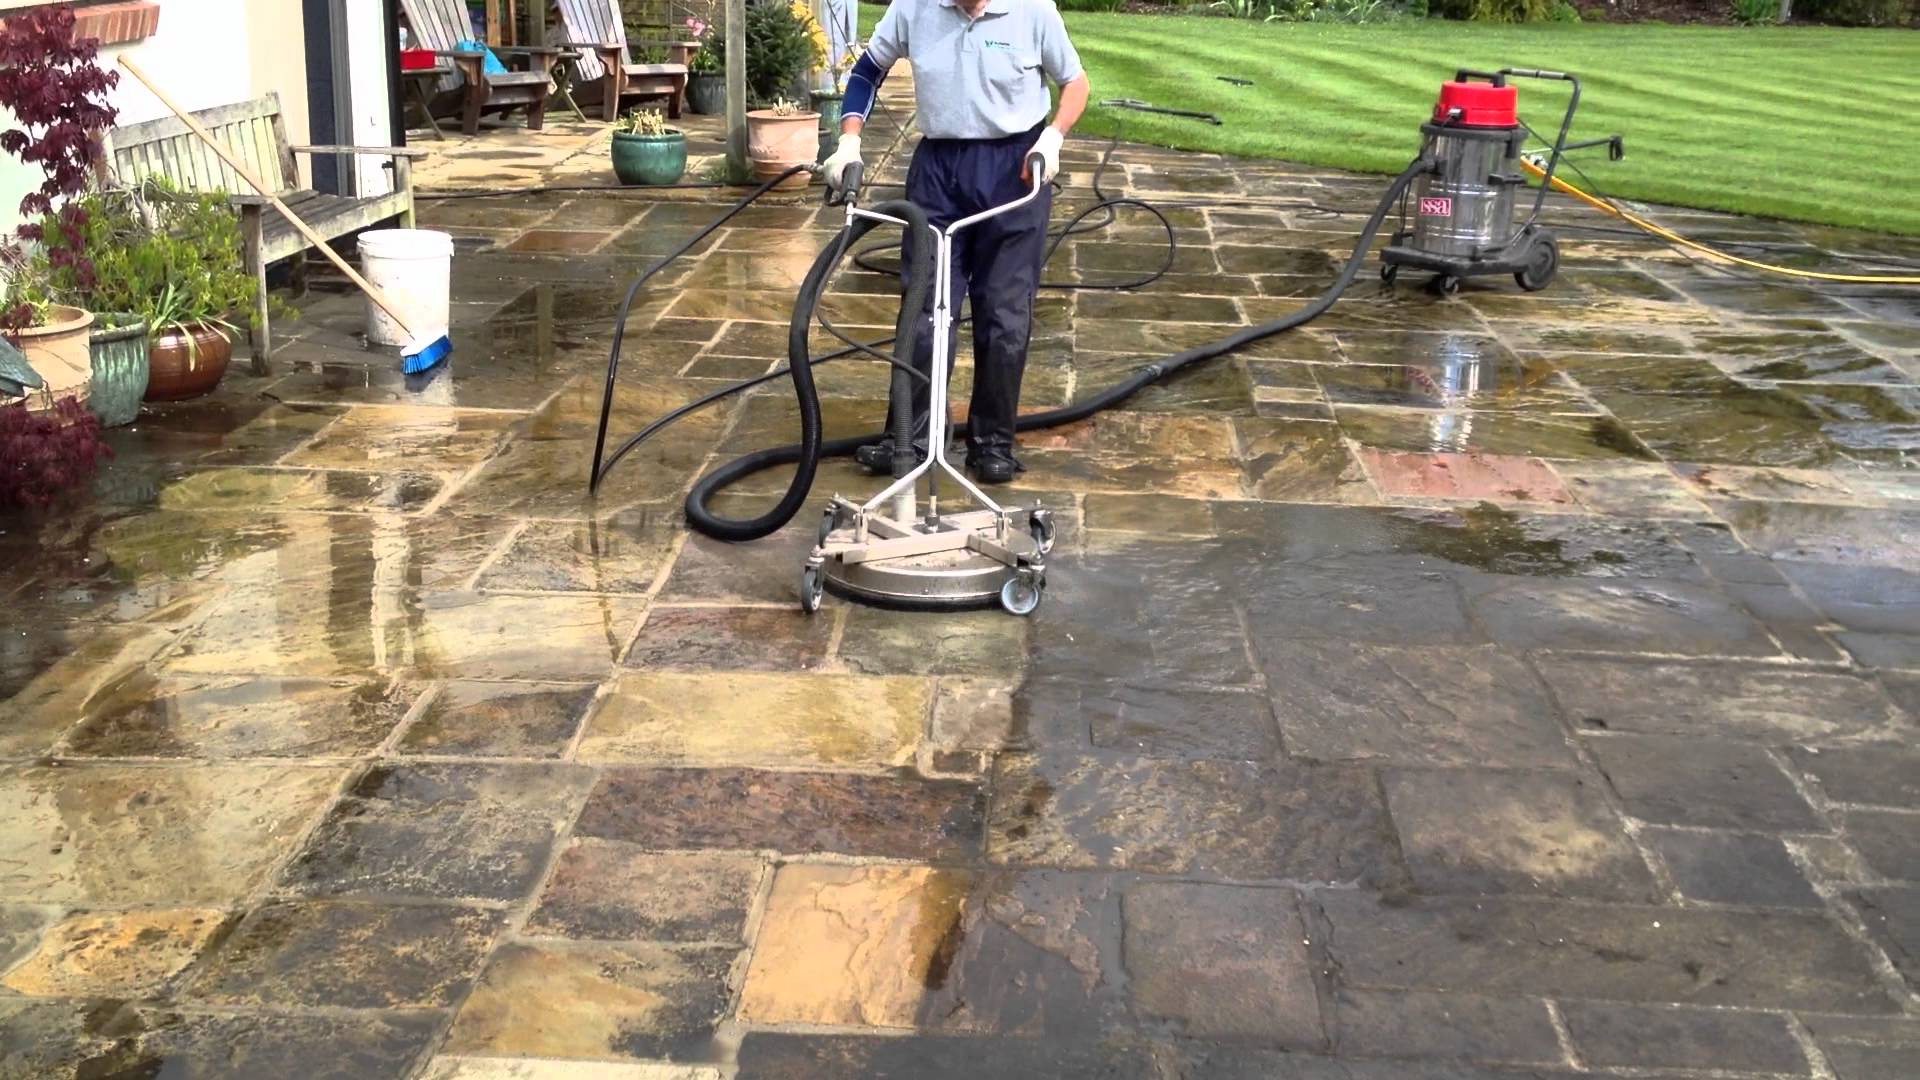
[
  {"x": 649, "y": 159},
  {"x": 828, "y": 104},
  {"x": 186, "y": 362},
  {"x": 118, "y": 344},
  {"x": 777, "y": 143},
  {"x": 58, "y": 351},
  {"x": 707, "y": 93}
]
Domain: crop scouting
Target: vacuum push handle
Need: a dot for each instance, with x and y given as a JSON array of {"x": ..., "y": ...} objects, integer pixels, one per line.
[{"x": 1034, "y": 164}]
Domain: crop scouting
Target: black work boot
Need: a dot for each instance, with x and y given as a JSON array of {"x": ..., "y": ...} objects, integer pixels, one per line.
[
  {"x": 876, "y": 458},
  {"x": 990, "y": 456}
]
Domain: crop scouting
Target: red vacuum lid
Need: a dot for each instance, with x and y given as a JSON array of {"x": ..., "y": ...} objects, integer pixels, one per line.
[{"x": 1481, "y": 105}]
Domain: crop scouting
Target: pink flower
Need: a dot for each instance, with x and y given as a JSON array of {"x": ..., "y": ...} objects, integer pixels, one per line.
[{"x": 696, "y": 27}]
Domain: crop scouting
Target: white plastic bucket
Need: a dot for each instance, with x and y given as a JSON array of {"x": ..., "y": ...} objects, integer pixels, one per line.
[{"x": 413, "y": 268}]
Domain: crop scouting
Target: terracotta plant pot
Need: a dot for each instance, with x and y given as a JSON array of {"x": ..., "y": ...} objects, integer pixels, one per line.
[
  {"x": 777, "y": 143},
  {"x": 58, "y": 351},
  {"x": 186, "y": 362},
  {"x": 649, "y": 159},
  {"x": 119, "y": 347}
]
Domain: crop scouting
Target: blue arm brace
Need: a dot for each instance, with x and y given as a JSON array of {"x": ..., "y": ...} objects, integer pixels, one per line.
[{"x": 863, "y": 86}]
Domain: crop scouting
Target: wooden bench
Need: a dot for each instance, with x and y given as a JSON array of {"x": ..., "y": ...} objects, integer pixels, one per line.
[{"x": 256, "y": 133}]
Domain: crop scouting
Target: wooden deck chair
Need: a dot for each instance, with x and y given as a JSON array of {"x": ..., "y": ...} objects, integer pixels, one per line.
[
  {"x": 606, "y": 72},
  {"x": 440, "y": 25}
]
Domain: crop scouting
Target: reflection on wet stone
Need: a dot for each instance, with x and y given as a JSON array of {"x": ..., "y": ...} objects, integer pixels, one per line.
[
  {"x": 1445, "y": 706},
  {"x": 1477, "y": 831},
  {"x": 751, "y": 718},
  {"x": 454, "y": 831},
  {"x": 488, "y": 719},
  {"x": 896, "y": 815},
  {"x": 604, "y": 889},
  {"x": 239, "y": 717},
  {"x": 341, "y": 954},
  {"x": 198, "y": 834},
  {"x": 594, "y": 1000},
  {"x": 1242, "y": 820},
  {"x": 128, "y": 955}
]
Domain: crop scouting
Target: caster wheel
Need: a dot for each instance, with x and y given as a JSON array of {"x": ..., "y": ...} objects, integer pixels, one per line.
[
  {"x": 1542, "y": 264},
  {"x": 1446, "y": 285},
  {"x": 1022, "y": 592},
  {"x": 1040, "y": 527},
  {"x": 1388, "y": 273},
  {"x": 829, "y": 521},
  {"x": 813, "y": 585}
]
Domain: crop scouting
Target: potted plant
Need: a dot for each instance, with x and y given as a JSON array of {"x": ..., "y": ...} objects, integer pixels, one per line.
[
  {"x": 647, "y": 151},
  {"x": 780, "y": 137},
  {"x": 189, "y": 276},
  {"x": 111, "y": 225},
  {"x": 706, "y": 75},
  {"x": 55, "y": 92}
]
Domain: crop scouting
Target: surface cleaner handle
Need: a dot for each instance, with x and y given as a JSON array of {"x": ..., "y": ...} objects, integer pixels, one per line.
[
  {"x": 849, "y": 185},
  {"x": 1036, "y": 162}
]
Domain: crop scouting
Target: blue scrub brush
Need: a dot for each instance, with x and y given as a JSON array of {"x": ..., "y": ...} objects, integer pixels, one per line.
[{"x": 423, "y": 351}]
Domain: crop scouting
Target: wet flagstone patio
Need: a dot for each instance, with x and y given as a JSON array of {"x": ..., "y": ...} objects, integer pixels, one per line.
[{"x": 1499, "y": 686}]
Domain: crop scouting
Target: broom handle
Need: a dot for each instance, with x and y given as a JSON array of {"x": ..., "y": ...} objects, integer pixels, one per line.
[{"x": 245, "y": 174}]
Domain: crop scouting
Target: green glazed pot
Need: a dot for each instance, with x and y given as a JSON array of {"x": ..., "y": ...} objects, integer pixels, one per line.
[
  {"x": 828, "y": 106},
  {"x": 649, "y": 159},
  {"x": 707, "y": 94},
  {"x": 120, "y": 368}
]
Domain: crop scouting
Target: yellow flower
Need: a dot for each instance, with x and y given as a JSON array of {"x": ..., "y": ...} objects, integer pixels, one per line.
[{"x": 803, "y": 12}]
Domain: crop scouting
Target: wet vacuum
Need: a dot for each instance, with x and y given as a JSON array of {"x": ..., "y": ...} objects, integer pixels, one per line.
[
  {"x": 1458, "y": 221},
  {"x": 885, "y": 551}
]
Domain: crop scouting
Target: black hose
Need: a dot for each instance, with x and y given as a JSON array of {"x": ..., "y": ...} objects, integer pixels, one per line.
[{"x": 808, "y": 452}]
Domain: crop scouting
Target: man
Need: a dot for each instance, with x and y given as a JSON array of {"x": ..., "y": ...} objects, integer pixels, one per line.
[{"x": 979, "y": 78}]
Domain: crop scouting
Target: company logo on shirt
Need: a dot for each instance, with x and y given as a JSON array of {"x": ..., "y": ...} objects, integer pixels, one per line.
[{"x": 1006, "y": 45}]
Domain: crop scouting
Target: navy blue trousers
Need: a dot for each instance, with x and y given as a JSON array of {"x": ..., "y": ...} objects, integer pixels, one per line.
[{"x": 996, "y": 268}]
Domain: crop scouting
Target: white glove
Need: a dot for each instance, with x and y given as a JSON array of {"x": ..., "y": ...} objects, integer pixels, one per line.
[
  {"x": 1048, "y": 147},
  {"x": 834, "y": 169}
]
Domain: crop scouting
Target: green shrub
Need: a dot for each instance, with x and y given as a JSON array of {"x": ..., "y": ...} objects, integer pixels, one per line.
[
  {"x": 1564, "y": 12},
  {"x": 1511, "y": 11},
  {"x": 1090, "y": 5},
  {"x": 1334, "y": 11},
  {"x": 1857, "y": 12},
  {"x": 780, "y": 49}
]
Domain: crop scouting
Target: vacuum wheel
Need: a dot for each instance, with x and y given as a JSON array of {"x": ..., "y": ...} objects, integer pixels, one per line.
[
  {"x": 1388, "y": 272},
  {"x": 1022, "y": 593},
  {"x": 1446, "y": 284},
  {"x": 813, "y": 585},
  {"x": 1542, "y": 264}
]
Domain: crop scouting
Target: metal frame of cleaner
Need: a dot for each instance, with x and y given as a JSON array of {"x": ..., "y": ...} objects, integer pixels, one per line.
[{"x": 884, "y": 550}]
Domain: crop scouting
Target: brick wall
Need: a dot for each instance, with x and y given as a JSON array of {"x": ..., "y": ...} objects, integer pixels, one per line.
[{"x": 118, "y": 22}]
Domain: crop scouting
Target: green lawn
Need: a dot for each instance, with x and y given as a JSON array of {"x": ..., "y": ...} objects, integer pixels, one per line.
[{"x": 1812, "y": 124}]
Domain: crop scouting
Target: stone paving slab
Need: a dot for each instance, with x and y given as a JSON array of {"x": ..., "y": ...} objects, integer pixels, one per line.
[{"x": 1501, "y": 687}]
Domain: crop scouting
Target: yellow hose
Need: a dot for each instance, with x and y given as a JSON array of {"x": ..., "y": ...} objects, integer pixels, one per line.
[{"x": 1674, "y": 237}]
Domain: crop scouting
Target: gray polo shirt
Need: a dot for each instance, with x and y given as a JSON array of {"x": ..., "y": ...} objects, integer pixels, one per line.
[{"x": 977, "y": 78}]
